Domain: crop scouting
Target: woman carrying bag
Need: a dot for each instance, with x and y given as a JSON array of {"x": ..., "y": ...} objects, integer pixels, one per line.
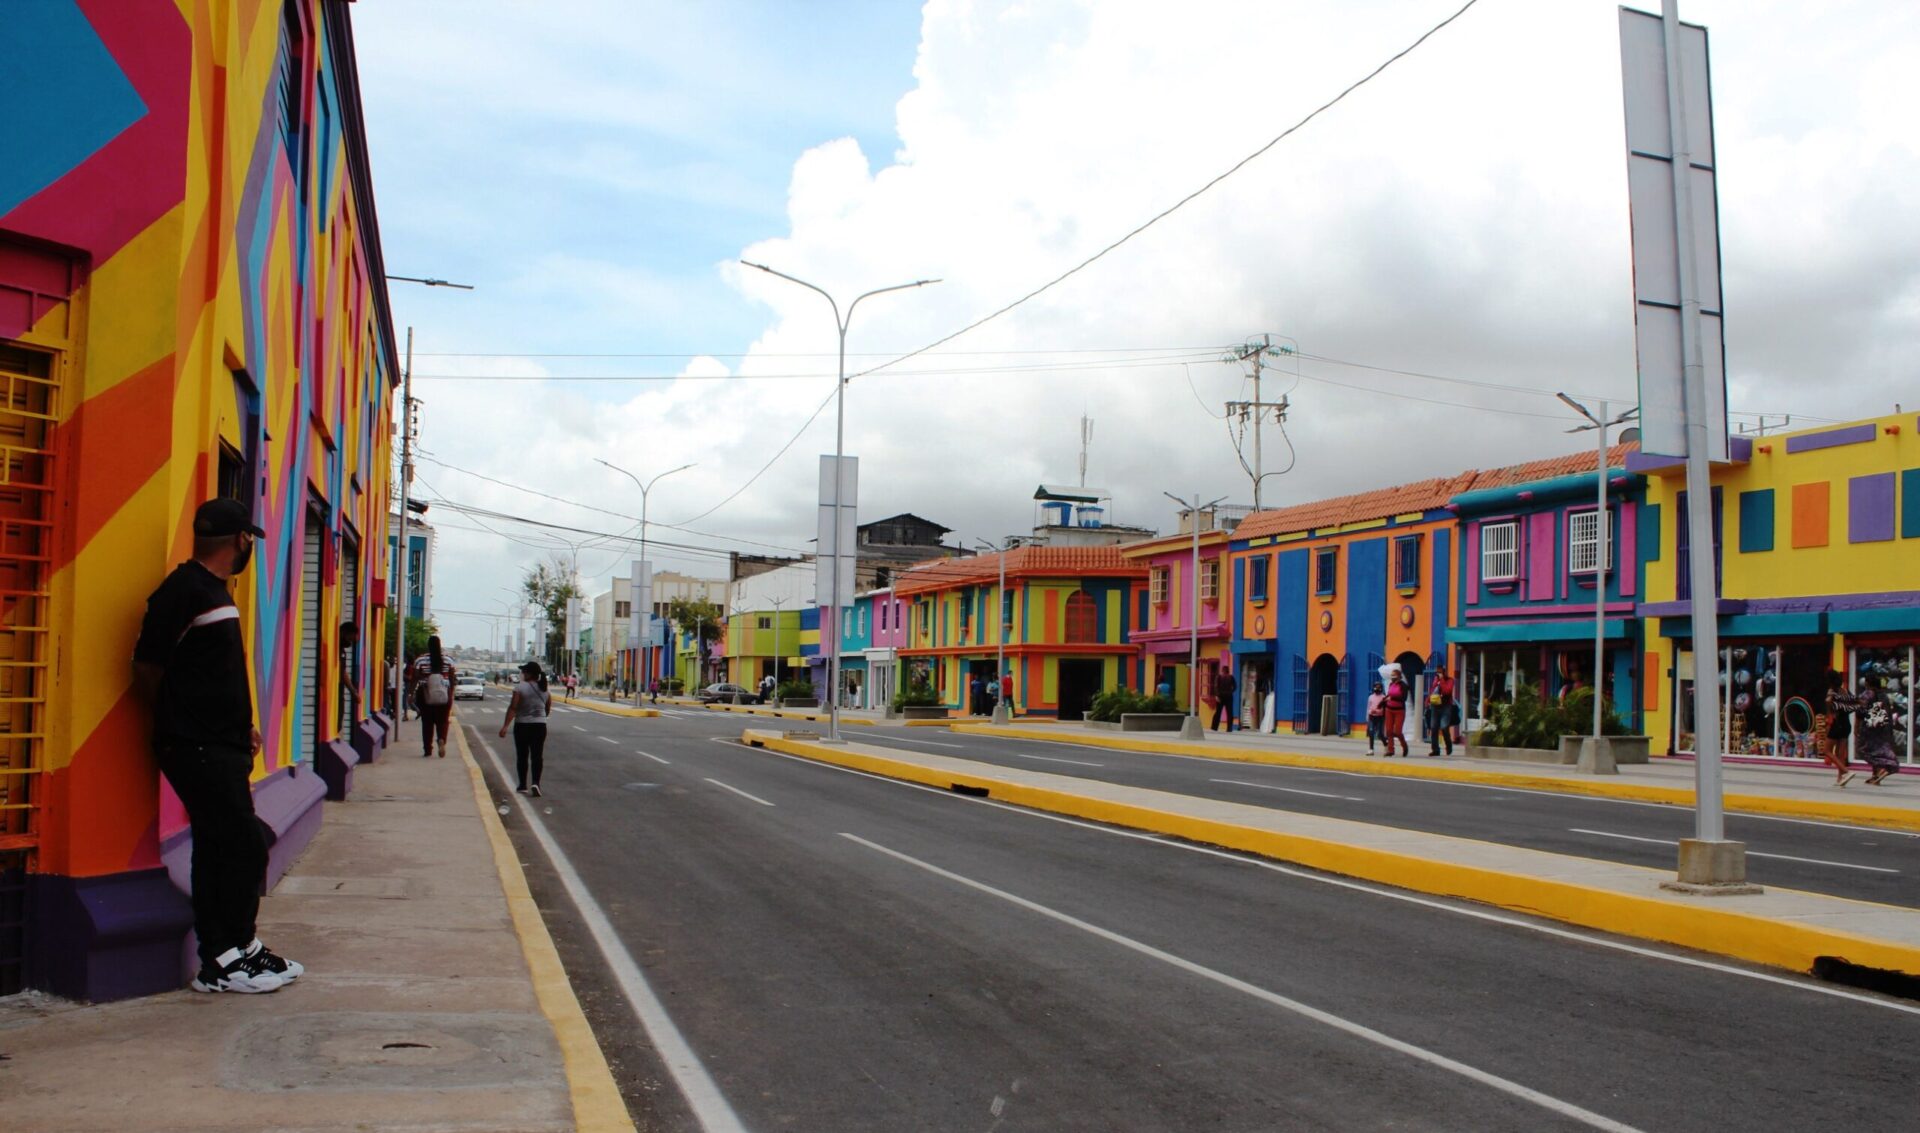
[{"x": 527, "y": 712}]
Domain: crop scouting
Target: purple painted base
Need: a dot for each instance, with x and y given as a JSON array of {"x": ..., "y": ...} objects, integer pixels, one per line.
[
  {"x": 335, "y": 762},
  {"x": 287, "y": 801},
  {"x": 104, "y": 938},
  {"x": 366, "y": 740},
  {"x": 385, "y": 721}
]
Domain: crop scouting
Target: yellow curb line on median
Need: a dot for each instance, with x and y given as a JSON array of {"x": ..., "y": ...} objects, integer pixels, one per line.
[
  {"x": 611, "y": 709},
  {"x": 786, "y": 713},
  {"x": 1745, "y": 936},
  {"x": 1891, "y": 818},
  {"x": 597, "y": 1104}
]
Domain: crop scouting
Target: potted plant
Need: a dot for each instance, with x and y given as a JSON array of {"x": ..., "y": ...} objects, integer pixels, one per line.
[
  {"x": 918, "y": 701},
  {"x": 795, "y": 694},
  {"x": 1533, "y": 729}
]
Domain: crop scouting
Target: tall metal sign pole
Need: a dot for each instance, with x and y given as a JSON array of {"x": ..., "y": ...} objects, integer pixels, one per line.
[
  {"x": 839, "y": 496},
  {"x": 1682, "y": 361},
  {"x": 402, "y": 542}
]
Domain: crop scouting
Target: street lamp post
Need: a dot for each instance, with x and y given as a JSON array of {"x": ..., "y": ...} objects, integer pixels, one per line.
[
  {"x": 777, "y": 603},
  {"x": 402, "y": 550},
  {"x": 1190, "y": 727},
  {"x": 1002, "y": 711},
  {"x": 633, "y": 587},
  {"x": 839, "y": 454},
  {"x": 1602, "y": 552}
]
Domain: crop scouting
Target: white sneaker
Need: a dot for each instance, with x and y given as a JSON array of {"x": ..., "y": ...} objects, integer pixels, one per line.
[
  {"x": 237, "y": 972},
  {"x": 288, "y": 970}
]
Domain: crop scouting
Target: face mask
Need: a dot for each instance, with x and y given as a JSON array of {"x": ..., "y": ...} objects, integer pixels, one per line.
[{"x": 244, "y": 557}]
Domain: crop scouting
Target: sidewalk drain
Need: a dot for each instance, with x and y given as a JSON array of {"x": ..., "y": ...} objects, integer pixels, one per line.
[
  {"x": 1886, "y": 981},
  {"x": 970, "y": 792}
]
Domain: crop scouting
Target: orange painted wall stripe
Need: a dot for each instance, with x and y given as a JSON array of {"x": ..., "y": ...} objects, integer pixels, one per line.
[{"x": 1811, "y": 504}]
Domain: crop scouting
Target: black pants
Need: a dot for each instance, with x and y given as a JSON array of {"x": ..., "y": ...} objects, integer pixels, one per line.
[
  {"x": 529, "y": 747},
  {"x": 1440, "y": 727},
  {"x": 1223, "y": 709},
  {"x": 229, "y": 843},
  {"x": 434, "y": 719}
]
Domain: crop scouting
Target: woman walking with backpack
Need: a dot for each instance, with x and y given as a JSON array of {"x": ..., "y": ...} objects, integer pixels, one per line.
[{"x": 433, "y": 697}]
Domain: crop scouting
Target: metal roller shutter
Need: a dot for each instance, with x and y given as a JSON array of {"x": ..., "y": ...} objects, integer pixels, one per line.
[{"x": 307, "y": 727}]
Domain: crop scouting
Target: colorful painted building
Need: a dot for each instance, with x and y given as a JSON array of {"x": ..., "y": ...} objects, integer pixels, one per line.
[
  {"x": 192, "y": 304},
  {"x": 1532, "y": 563},
  {"x": 755, "y": 638},
  {"x": 1817, "y": 547},
  {"x": 1324, "y": 593},
  {"x": 886, "y": 636},
  {"x": 1168, "y": 637},
  {"x": 1069, "y": 615}
]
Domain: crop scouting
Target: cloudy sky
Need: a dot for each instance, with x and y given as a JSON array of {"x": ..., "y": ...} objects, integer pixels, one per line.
[{"x": 1444, "y": 248}]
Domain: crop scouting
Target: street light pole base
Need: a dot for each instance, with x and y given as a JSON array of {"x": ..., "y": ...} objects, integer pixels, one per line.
[
  {"x": 1191, "y": 729},
  {"x": 1001, "y": 715},
  {"x": 1712, "y": 869}
]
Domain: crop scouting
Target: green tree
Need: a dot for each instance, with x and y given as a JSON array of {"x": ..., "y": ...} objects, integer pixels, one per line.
[
  {"x": 549, "y": 586},
  {"x": 691, "y": 613},
  {"x": 418, "y": 630}
]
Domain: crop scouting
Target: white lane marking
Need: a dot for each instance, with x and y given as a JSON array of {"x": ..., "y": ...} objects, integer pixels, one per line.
[
  {"x": 1470, "y": 912},
  {"x": 606, "y": 739},
  {"x": 655, "y": 758},
  {"x": 578, "y": 728},
  {"x": 709, "y": 1105},
  {"x": 1325, "y": 1018},
  {"x": 1750, "y": 853},
  {"x": 1289, "y": 790},
  {"x": 916, "y": 740},
  {"x": 738, "y": 791}
]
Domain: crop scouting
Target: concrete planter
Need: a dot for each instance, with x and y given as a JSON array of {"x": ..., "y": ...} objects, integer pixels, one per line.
[
  {"x": 1102, "y": 725},
  {"x": 1523, "y": 754},
  {"x": 1625, "y": 747},
  {"x": 1152, "y": 721},
  {"x": 924, "y": 712},
  {"x": 798, "y": 702}
]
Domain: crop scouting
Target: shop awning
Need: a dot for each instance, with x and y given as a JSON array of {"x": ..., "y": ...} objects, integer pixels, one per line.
[
  {"x": 1875, "y": 621},
  {"x": 1752, "y": 625},
  {"x": 1257, "y": 645}
]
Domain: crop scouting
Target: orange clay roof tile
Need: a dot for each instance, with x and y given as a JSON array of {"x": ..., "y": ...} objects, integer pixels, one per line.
[{"x": 1021, "y": 562}]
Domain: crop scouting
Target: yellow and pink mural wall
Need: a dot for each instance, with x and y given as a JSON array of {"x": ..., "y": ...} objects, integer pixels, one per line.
[{"x": 191, "y": 304}]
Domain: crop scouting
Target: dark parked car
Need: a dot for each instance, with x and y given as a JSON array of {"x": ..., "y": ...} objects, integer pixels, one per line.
[{"x": 724, "y": 694}]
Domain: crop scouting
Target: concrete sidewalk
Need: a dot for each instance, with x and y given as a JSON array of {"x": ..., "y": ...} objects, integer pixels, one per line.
[
  {"x": 1799, "y": 792},
  {"x": 433, "y": 998},
  {"x": 1781, "y": 927}
]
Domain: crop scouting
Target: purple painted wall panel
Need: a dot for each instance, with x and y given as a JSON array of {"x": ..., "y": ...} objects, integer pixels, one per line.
[
  {"x": 1832, "y": 438},
  {"x": 1870, "y": 508},
  {"x": 1541, "y": 544},
  {"x": 1473, "y": 564},
  {"x": 1626, "y": 563}
]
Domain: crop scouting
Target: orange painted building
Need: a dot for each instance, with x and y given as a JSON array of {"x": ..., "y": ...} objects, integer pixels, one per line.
[{"x": 1324, "y": 593}]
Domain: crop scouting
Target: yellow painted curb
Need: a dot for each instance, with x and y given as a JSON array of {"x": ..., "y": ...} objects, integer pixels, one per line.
[
  {"x": 597, "y": 1105},
  {"x": 611, "y": 710},
  {"x": 1891, "y": 818},
  {"x": 1745, "y": 936},
  {"x": 787, "y": 713}
]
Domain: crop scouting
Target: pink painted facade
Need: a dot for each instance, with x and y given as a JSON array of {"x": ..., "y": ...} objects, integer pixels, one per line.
[{"x": 1167, "y": 640}]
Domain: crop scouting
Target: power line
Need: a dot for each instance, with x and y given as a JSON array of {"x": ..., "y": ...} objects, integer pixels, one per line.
[
  {"x": 812, "y": 354},
  {"x": 1183, "y": 201}
]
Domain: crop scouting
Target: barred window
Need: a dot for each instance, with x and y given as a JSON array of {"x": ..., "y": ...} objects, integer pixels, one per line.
[
  {"x": 1585, "y": 543},
  {"x": 1500, "y": 552}
]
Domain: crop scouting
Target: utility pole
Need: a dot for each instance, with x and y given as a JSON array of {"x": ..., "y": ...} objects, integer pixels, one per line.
[
  {"x": 403, "y": 541},
  {"x": 1256, "y": 351}
]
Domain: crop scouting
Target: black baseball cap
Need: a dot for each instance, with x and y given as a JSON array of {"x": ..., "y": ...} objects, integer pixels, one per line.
[
  {"x": 531, "y": 668},
  {"x": 225, "y": 517}
]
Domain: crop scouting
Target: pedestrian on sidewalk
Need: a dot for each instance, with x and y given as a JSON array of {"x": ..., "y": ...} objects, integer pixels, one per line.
[
  {"x": 977, "y": 698},
  {"x": 433, "y": 697},
  {"x": 1006, "y": 691},
  {"x": 654, "y": 689},
  {"x": 573, "y": 683},
  {"x": 1395, "y": 723},
  {"x": 1440, "y": 709},
  {"x": 1377, "y": 716},
  {"x": 527, "y": 712},
  {"x": 190, "y": 666},
  {"x": 1875, "y": 742},
  {"x": 1225, "y": 685},
  {"x": 1833, "y": 746}
]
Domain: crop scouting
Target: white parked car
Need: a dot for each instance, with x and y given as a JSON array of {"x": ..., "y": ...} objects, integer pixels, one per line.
[{"x": 469, "y": 688}]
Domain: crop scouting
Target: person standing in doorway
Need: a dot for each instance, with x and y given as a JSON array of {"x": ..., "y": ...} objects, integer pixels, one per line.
[
  {"x": 433, "y": 697},
  {"x": 1440, "y": 709},
  {"x": 527, "y": 712},
  {"x": 977, "y": 696},
  {"x": 1225, "y": 685},
  {"x": 1395, "y": 723},
  {"x": 190, "y": 666}
]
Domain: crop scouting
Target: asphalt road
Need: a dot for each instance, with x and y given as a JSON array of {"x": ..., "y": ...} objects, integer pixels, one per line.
[
  {"x": 1845, "y": 861},
  {"x": 821, "y": 950}
]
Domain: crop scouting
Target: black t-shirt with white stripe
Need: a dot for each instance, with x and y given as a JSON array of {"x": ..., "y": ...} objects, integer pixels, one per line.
[{"x": 192, "y": 631}]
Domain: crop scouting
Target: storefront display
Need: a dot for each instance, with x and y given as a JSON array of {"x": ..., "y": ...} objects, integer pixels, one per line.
[
  {"x": 1891, "y": 667},
  {"x": 1772, "y": 698}
]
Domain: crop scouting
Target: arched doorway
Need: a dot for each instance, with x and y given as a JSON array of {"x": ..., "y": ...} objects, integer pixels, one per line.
[{"x": 1323, "y": 680}]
